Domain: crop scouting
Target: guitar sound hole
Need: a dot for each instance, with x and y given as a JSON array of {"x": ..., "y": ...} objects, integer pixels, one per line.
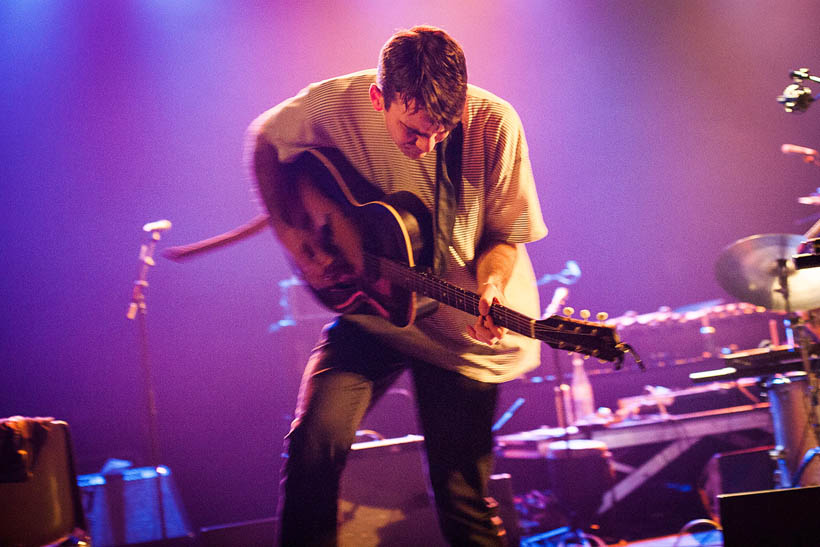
[{"x": 326, "y": 239}]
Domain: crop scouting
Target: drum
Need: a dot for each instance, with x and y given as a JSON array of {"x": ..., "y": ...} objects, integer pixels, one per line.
[
  {"x": 793, "y": 434},
  {"x": 580, "y": 472}
]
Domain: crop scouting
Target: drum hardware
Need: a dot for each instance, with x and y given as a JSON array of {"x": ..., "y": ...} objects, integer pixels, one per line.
[
  {"x": 809, "y": 250},
  {"x": 810, "y": 259},
  {"x": 759, "y": 362},
  {"x": 780, "y": 373},
  {"x": 761, "y": 269},
  {"x": 814, "y": 197},
  {"x": 809, "y": 155},
  {"x": 796, "y": 97},
  {"x": 807, "y": 459},
  {"x": 794, "y": 448}
]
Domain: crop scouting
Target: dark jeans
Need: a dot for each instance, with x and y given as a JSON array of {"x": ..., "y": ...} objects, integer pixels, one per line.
[{"x": 346, "y": 374}]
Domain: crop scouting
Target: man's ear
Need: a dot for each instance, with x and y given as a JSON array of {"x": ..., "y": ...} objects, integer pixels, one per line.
[{"x": 376, "y": 97}]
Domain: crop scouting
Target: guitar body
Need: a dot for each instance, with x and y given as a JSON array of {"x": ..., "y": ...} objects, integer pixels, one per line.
[{"x": 352, "y": 220}]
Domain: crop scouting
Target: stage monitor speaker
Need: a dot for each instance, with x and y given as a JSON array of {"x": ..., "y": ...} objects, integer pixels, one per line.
[
  {"x": 134, "y": 506},
  {"x": 749, "y": 470},
  {"x": 385, "y": 500},
  {"x": 772, "y": 518},
  {"x": 384, "y": 496}
]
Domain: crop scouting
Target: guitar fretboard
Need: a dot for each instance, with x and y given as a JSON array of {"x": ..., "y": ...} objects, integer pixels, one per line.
[{"x": 451, "y": 295}]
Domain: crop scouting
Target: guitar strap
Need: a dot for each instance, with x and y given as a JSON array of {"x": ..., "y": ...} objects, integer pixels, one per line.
[{"x": 448, "y": 190}]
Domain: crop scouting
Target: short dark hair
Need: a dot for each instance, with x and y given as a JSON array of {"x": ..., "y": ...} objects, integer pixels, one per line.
[{"x": 426, "y": 66}]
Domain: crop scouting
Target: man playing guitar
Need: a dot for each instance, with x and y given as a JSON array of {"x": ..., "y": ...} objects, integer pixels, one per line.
[{"x": 414, "y": 125}]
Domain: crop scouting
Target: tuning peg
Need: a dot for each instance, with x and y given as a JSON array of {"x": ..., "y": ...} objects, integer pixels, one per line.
[
  {"x": 602, "y": 316},
  {"x": 585, "y": 314},
  {"x": 568, "y": 311}
]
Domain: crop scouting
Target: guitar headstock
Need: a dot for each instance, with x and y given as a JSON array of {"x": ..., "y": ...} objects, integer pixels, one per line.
[{"x": 593, "y": 338}]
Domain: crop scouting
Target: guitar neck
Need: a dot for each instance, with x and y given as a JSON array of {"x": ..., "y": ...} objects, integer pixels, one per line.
[
  {"x": 432, "y": 287},
  {"x": 559, "y": 332}
]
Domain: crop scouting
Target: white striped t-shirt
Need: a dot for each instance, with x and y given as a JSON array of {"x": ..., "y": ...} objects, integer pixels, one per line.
[{"x": 498, "y": 201}]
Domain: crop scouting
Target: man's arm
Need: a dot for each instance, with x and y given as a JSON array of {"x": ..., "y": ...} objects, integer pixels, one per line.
[
  {"x": 291, "y": 213},
  {"x": 270, "y": 175},
  {"x": 493, "y": 270},
  {"x": 267, "y": 171}
]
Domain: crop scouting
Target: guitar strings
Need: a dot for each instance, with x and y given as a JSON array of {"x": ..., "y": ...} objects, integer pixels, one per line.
[{"x": 454, "y": 296}]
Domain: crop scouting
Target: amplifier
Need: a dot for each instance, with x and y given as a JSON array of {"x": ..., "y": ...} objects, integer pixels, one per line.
[
  {"x": 39, "y": 498},
  {"x": 746, "y": 470},
  {"x": 132, "y": 506}
]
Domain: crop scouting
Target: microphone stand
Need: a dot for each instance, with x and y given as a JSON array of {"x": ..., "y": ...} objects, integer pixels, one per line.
[{"x": 137, "y": 309}]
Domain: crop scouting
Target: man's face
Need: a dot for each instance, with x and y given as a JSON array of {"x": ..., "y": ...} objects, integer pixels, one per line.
[{"x": 413, "y": 131}]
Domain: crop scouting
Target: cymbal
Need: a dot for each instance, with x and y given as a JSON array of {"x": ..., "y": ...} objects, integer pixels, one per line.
[{"x": 748, "y": 270}]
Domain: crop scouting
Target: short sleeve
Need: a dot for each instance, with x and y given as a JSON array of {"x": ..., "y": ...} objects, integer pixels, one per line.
[{"x": 513, "y": 210}]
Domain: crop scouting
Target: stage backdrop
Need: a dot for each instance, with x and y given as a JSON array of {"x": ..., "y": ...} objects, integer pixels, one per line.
[{"x": 654, "y": 135}]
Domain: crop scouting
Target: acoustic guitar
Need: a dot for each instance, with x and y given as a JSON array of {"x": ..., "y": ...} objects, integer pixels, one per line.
[{"x": 361, "y": 251}]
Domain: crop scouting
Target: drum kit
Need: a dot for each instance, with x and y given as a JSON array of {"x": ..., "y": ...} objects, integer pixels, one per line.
[{"x": 781, "y": 272}]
